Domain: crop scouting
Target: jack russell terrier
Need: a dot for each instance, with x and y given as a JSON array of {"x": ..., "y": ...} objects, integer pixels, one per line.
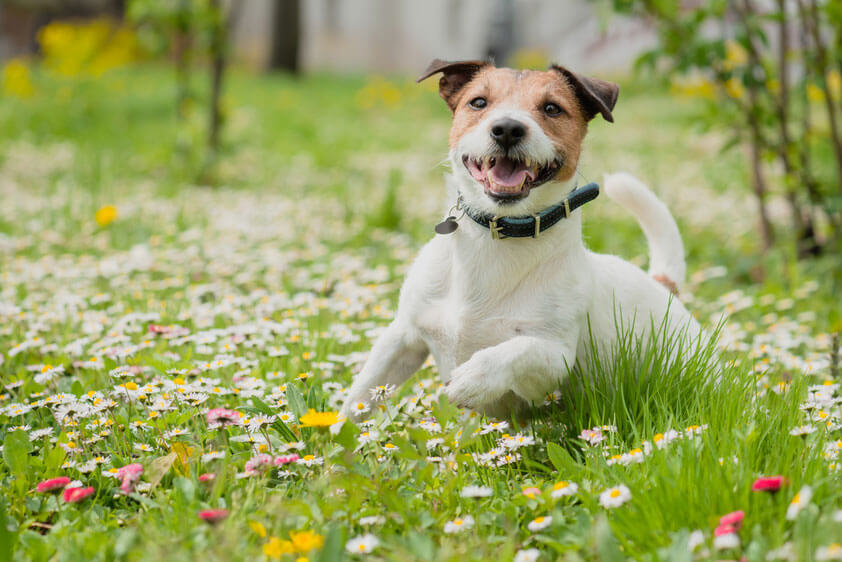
[{"x": 507, "y": 296}]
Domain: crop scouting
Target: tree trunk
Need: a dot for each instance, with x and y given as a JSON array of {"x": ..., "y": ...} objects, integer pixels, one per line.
[
  {"x": 286, "y": 33},
  {"x": 218, "y": 47}
]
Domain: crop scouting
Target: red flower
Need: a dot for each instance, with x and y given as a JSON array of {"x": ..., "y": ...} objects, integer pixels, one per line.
[
  {"x": 213, "y": 516},
  {"x": 53, "y": 484},
  {"x": 207, "y": 477},
  {"x": 75, "y": 495},
  {"x": 735, "y": 519},
  {"x": 769, "y": 483}
]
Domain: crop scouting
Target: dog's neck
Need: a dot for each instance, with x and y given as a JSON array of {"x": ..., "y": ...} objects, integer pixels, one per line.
[{"x": 492, "y": 266}]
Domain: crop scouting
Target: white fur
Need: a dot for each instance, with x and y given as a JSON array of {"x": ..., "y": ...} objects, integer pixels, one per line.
[
  {"x": 506, "y": 319},
  {"x": 666, "y": 252}
]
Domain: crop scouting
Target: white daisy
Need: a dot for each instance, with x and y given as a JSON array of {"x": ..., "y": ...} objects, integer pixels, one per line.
[
  {"x": 564, "y": 488},
  {"x": 799, "y": 502},
  {"x": 475, "y": 492},
  {"x": 459, "y": 524},
  {"x": 614, "y": 497},
  {"x": 528, "y": 555},
  {"x": 539, "y": 523},
  {"x": 362, "y": 544}
]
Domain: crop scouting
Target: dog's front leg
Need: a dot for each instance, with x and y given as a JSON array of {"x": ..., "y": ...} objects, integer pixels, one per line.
[
  {"x": 530, "y": 367},
  {"x": 393, "y": 359}
]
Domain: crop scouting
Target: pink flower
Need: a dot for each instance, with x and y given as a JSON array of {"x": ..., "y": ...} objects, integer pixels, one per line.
[
  {"x": 531, "y": 492},
  {"x": 286, "y": 459},
  {"x": 724, "y": 530},
  {"x": 129, "y": 476},
  {"x": 75, "y": 495},
  {"x": 53, "y": 484},
  {"x": 735, "y": 519},
  {"x": 222, "y": 416},
  {"x": 257, "y": 463},
  {"x": 769, "y": 483},
  {"x": 207, "y": 477},
  {"x": 213, "y": 516}
]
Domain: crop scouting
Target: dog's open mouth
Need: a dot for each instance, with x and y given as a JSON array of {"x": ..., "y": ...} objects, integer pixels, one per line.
[{"x": 506, "y": 178}]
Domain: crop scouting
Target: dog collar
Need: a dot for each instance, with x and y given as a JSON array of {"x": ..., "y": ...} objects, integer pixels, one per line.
[{"x": 533, "y": 225}]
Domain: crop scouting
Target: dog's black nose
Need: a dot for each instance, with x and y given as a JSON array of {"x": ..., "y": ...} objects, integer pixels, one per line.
[{"x": 508, "y": 132}]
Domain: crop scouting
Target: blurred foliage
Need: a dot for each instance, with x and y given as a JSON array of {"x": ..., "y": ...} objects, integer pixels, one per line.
[
  {"x": 769, "y": 72},
  {"x": 535, "y": 59},
  {"x": 86, "y": 48},
  {"x": 17, "y": 80}
]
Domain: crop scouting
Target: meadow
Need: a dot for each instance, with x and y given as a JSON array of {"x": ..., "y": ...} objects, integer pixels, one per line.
[{"x": 177, "y": 335}]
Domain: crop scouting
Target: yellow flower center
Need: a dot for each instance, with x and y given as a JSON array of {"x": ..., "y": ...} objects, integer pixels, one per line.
[{"x": 615, "y": 493}]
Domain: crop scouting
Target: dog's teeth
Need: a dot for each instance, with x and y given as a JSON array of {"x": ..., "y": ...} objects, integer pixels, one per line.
[{"x": 528, "y": 162}]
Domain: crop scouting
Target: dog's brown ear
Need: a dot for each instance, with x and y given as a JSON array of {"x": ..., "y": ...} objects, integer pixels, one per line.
[
  {"x": 455, "y": 75},
  {"x": 595, "y": 95}
]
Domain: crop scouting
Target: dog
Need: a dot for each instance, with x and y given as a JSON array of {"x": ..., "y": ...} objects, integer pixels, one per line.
[{"x": 507, "y": 297}]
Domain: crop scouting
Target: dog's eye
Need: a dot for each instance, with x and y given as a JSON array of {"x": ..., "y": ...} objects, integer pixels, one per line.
[
  {"x": 478, "y": 103},
  {"x": 553, "y": 109}
]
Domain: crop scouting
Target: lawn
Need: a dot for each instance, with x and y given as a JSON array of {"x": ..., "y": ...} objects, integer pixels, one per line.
[{"x": 167, "y": 323}]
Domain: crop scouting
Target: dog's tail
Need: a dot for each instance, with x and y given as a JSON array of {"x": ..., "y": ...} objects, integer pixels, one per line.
[{"x": 666, "y": 251}]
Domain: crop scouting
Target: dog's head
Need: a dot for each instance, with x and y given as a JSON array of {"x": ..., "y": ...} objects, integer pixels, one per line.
[{"x": 516, "y": 130}]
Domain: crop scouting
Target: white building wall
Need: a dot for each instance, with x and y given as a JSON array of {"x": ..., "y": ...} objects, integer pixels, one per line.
[{"x": 404, "y": 35}]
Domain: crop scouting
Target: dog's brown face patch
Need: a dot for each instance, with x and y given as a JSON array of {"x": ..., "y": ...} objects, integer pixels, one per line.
[{"x": 538, "y": 93}]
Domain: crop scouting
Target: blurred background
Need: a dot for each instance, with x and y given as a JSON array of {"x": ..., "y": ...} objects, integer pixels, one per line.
[{"x": 730, "y": 109}]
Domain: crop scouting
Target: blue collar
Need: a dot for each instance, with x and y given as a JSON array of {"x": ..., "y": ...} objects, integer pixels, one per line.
[{"x": 533, "y": 225}]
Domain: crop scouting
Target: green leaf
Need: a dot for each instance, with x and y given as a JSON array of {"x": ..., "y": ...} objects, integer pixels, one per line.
[
  {"x": 347, "y": 436},
  {"x": 125, "y": 541},
  {"x": 186, "y": 487},
  {"x": 561, "y": 459},
  {"x": 54, "y": 458},
  {"x": 15, "y": 452},
  {"x": 8, "y": 538},
  {"x": 332, "y": 549},
  {"x": 605, "y": 543},
  {"x": 261, "y": 406},
  {"x": 159, "y": 467},
  {"x": 296, "y": 401}
]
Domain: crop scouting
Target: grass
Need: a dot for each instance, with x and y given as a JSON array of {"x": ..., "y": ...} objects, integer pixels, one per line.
[{"x": 266, "y": 289}]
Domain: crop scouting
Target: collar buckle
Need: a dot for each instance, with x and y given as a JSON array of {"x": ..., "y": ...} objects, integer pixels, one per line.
[{"x": 495, "y": 230}]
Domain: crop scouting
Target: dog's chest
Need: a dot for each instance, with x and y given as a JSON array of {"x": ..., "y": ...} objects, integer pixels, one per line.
[{"x": 454, "y": 327}]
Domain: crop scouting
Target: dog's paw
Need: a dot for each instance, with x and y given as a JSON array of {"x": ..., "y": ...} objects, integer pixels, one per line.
[{"x": 479, "y": 382}]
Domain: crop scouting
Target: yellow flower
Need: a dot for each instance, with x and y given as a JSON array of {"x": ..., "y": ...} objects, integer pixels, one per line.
[
  {"x": 530, "y": 58},
  {"x": 305, "y": 541},
  {"x": 814, "y": 93},
  {"x": 694, "y": 87},
  {"x": 106, "y": 215},
  {"x": 319, "y": 419},
  {"x": 735, "y": 55},
  {"x": 89, "y": 48},
  {"x": 276, "y": 547},
  {"x": 834, "y": 84},
  {"x": 735, "y": 89},
  {"x": 16, "y": 79},
  {"x": 258, "y": 528}
]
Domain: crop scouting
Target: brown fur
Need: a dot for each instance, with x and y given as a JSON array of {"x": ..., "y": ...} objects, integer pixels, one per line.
[
  {"x": 666, "y": 282},
  {"x": 529, "y": 90}
]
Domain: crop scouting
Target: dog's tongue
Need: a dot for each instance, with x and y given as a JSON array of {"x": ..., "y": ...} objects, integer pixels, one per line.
[{"x": 508, "y": 173}]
